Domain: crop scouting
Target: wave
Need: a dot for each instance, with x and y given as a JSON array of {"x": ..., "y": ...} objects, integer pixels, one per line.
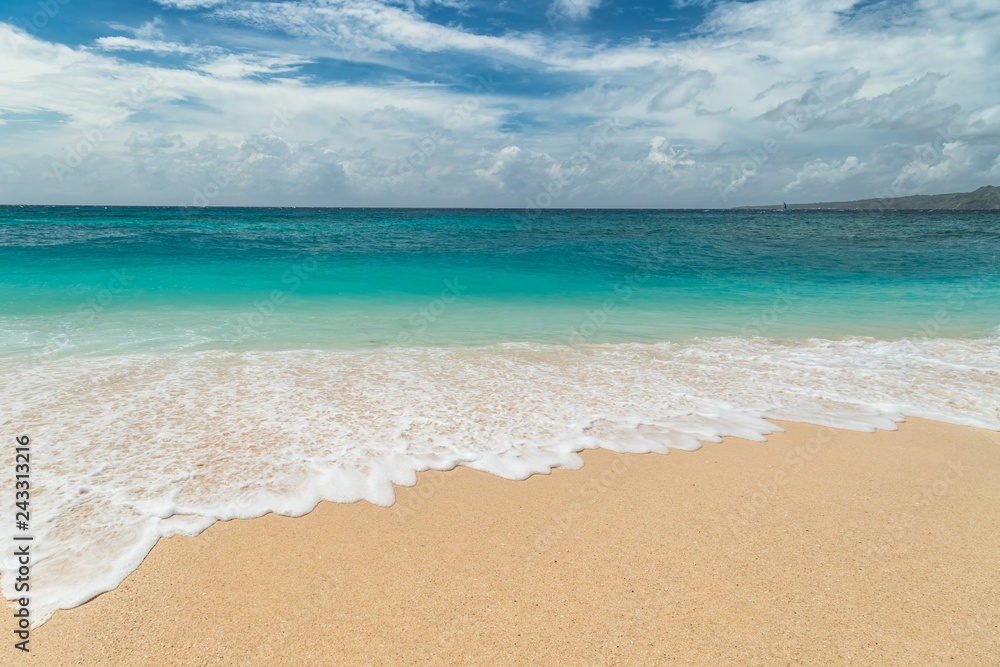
[{"x": 128, "y": 449}]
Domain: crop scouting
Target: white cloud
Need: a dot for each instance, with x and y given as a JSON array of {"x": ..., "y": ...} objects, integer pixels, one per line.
[
  {"x": 154, "y": 46},
  {"x": 389, "y": 117},
  {"x": 823, "y": 173},
  {"x": 360, "y": 26},
  {"x": 994, "y": 172},
  {"x": 983, "y": 123},
  {"x": 239, "y": 66},
  {"x": 834, "y": 103},
  {"x": 148, "y": 30},
  {"x": 605, "y": 96},
  {"x": 662, "y": 153},
  {"x": 190, "y": 4},
  {"x": 138, "y": 141},
  {"x": 574, "y": 10},
  {"x": 682, "y": 91},
  {"x": 864, "y": 101},
  {"x": 932, "y": 164}
]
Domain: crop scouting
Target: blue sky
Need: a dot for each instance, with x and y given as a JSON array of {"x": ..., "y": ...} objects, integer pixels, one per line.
[{"x": 557, "y": 103}]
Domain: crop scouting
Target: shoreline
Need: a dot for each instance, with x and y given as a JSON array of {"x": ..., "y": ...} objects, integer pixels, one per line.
[{"x": 819, "y": 545}]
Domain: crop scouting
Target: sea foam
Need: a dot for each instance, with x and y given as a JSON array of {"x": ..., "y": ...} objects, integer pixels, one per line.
[{"x": 129, "y": 449}]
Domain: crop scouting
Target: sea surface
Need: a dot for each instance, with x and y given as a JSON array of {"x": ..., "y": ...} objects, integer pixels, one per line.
[{"x": 174, "y": 367}]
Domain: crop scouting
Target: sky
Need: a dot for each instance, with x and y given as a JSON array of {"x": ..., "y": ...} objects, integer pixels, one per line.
[{"x": 468, "y": 103}]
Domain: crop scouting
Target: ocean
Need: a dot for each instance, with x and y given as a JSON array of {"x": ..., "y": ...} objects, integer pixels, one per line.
[{"x": 174, "y": 367}]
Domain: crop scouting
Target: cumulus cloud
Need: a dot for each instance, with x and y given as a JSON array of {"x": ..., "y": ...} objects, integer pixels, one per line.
[
  {"x": 934, "y": 163},
  {"x": 994, "y": 171},
  {"x": 662, "y": 153},
  {"x": 984, "y": 123},
  {"x": 825, "y": 173}
]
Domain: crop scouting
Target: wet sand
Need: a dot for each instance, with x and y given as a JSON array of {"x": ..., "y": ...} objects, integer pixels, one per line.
[{"x": 819, "y": 546}]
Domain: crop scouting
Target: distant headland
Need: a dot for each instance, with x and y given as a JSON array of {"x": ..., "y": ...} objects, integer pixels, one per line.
[{"x": 985, "y": 198}]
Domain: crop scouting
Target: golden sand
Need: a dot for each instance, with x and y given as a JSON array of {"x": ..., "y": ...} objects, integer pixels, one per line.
[{"x": 819, "y": 546}]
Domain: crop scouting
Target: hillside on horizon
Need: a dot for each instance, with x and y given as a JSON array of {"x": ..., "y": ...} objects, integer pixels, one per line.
[{"x": 985, "y": 198}]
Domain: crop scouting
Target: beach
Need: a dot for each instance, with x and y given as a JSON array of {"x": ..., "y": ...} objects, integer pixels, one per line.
[
  {"x": 370, "y": 332},
  {"x": 294, "y": 436},
  {"x": 819, "y": 546}
]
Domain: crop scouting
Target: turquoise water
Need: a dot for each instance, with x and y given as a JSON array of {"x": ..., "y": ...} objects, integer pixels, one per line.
[
  {"x": 141, "y": 279},
  {"x": 177, "y": 367}
]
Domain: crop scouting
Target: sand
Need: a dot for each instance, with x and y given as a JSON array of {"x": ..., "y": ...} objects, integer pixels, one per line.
[{"x": 819, "y": 546}]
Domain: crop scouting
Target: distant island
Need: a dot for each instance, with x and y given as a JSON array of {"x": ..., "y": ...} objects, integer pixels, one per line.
[{"x": 985, "y": 198}]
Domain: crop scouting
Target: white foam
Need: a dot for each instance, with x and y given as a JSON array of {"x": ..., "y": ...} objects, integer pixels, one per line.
[{"x": 129, "y": 449}]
